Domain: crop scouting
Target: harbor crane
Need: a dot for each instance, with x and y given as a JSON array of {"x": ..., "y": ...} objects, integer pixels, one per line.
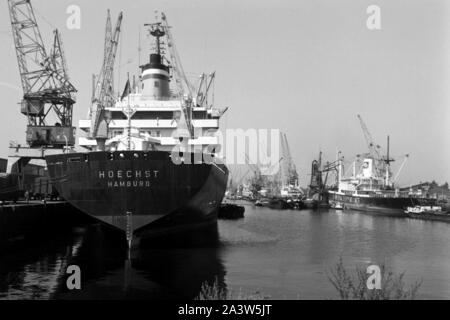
[
  {"x": 185, "y": 88},
  {"x": 103, "y": 97},
  {"x": 48, "y": 94},
  {"x": 374, "y": 149},
  {"x": 382, "y": 163},
  {"x": 292, "y": 174}
]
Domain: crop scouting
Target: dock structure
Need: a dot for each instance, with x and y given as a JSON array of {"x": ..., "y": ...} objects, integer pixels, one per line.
[{"x": 22, "y": 219}]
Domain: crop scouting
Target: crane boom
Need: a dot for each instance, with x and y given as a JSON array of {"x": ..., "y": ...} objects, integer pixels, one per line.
[
  {"x": 108, "y": 45},
  {"x": 204, "y": 95},
  {"x": 30, "y": 50},
  {"x": 58, "y": 59},
  {"x": 108, "y": 34},
  {"x": 405, "y": 160},
  {"x": 104, "y": 95},
  {"x": 185, "y": 88},
  {"x": 183, "y": 84},
  {"x": 370, "y": 143}
]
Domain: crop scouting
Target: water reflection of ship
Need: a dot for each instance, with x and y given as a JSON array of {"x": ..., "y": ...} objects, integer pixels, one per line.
[
  {"x": 36, "y": 271},
  {"x": 150, "y": 274}
]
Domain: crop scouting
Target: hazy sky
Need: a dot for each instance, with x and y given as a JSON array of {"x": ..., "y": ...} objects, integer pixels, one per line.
[{"x": 305, "y": 67}]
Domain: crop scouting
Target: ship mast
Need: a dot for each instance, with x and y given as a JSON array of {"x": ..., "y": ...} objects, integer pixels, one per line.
[
  {"x": 157, "y": 76},
  {"x": 388, "y": 161}
]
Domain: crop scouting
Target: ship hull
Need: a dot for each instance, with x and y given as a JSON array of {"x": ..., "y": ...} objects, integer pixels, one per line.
[
  {"x": 141, "y": 193},
  {"x": 386, "y": 206}
]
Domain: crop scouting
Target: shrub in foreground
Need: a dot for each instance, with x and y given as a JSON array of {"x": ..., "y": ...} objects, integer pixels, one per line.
[{"x": 354, "y": 287}]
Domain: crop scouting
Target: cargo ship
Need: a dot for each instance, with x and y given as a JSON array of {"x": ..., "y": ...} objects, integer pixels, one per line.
[
  {"x": 371, "y": 188},
  {"x": 153, "y": 170}
]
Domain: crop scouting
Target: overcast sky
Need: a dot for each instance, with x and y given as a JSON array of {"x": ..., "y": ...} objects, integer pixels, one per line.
[{"x": 305, "y": 67}]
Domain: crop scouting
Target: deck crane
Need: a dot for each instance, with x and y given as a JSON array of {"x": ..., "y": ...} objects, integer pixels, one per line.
[
  {"x": 204, "y": 88},
  {"x": 104, "y": 90},
  {"x": 48, "y": 94},
  {"x": 405, "y": 160}
]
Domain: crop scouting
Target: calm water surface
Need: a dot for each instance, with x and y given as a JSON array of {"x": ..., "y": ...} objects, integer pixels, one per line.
[{"x": 283, "y": 254}]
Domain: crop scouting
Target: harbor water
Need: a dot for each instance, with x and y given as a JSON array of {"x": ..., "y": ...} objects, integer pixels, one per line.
[{"x": 280, "y": 254}]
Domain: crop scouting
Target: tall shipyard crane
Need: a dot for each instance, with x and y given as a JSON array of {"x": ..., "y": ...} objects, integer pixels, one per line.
[
  {"x": 107, "y": 48},
  {"x": 185, "y": 88},
  {"x": 48, "y": 94},
  {"x": 373, "y": 148},
  {"x": 103, "y": 96},
  {"x": 292, "y": 177}
]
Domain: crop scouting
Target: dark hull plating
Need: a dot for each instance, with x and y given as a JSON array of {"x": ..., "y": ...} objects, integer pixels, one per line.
[
  {"x": 388, "y": 206},
  {"x": 140, "y": 191}
]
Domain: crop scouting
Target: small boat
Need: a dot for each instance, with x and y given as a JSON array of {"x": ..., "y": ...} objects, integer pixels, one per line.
[
  {"x": 337, "y": 205},
  {"x": 424, "y": 209},
  {"x": 262, "y": 202},
  {"x": 428, "y": 213}
]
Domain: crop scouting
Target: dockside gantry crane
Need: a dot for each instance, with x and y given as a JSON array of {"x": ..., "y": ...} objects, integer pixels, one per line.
[
  {"x": 103, "y": 96},
  {"x": 48, "y": 95}
]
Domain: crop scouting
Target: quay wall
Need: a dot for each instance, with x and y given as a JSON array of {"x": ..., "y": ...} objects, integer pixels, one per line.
[{"x": 36, "y": 218}]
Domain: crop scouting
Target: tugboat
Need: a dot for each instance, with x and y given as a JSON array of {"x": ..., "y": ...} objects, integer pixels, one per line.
[
  {"x": 428, "y": 213},
  {"x": 150, "y": 165}
]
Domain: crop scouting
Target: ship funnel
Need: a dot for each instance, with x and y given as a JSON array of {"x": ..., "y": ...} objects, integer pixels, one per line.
[
  {"x": 155, "y": 74},
  {"x": 155, "y": 79}
]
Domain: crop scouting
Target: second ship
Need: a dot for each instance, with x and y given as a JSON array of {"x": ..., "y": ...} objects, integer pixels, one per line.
[{"x": 371, "y": 188}]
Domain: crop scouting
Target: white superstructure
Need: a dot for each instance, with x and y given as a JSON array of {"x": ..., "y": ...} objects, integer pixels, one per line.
[{"x": 154, "y": 116}]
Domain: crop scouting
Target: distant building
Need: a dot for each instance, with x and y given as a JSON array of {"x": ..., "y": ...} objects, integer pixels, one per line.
[{"x": 430, "y": 190}]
